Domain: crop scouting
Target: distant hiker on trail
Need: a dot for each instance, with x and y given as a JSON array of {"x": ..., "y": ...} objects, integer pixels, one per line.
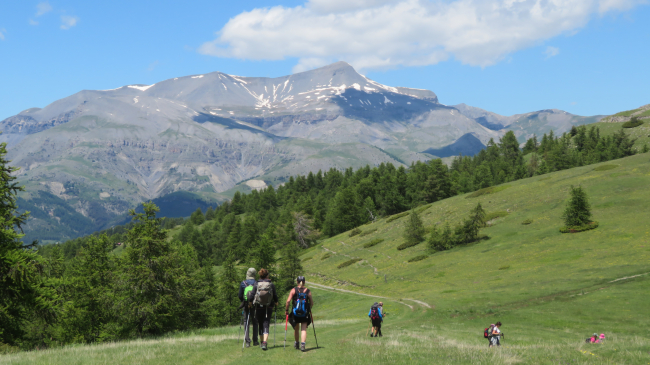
[
  {"x": 376, "y": 318},
  {"x": 495, "y": 334},
  {"x": 245, "y": 288},
  {"x": 301, "y": 303},
  {"x": 265, "y": 298}
]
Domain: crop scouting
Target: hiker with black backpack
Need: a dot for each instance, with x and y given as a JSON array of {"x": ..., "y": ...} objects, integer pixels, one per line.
[
  {"x": 245, "y": 289},
  {"x": 265, "y": 298},
  {"x": 376, "y": 318},
  {"x": 299, "y": 313}
]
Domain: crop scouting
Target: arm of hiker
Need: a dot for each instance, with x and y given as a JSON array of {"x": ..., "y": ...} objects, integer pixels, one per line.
[
  {"x": 288, "y": 303},
  {"x": 311, "y": 300},
  {"x": 241, "y": 292},
  {"x": 275, "y": 295}
]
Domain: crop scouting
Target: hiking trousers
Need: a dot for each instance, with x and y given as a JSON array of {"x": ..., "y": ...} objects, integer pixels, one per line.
[{"x": 252, "y": 320}]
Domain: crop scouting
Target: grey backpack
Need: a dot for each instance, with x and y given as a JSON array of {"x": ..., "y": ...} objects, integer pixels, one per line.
[{"x": 264, "y": 295}]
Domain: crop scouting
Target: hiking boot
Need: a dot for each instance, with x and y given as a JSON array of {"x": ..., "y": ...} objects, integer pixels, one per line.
[
  {"x": 296, "y": 346},
  {"x": 256, "y": 343},
  {"x": 263, "y": 345},
  {"x": 372, "y": 335},
  {"x": 248, "y": 344},
  {"x": 380, "y": 335},
  {"x": 302, "y": 347}
]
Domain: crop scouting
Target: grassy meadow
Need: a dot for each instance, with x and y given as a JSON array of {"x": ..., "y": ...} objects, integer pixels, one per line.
[{"x": 550, "y": 290}]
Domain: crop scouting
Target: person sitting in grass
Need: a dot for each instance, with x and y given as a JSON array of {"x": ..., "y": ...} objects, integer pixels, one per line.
[{"x": 496, "y": 333}]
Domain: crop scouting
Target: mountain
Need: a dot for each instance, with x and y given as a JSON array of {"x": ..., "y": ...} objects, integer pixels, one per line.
[{"x": 98, "y": 153}]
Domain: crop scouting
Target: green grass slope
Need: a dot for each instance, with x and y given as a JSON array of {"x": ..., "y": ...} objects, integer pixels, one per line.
[{"x": 550, "y": 290}]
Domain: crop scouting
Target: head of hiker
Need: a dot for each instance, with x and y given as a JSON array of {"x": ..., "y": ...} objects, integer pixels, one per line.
[
  {"x": 264, "y": 273},
  {"x": 250, "y": 273},
  {"x": 300, "y": 280}
]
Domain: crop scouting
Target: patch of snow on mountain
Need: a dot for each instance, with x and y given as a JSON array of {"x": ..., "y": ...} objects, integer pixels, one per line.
[
  {"x": 356, "y": 86},
  {"x": 238, "y": 79},
  {"x": 197, "y": 77},
  {"x": 386, "y": 100},
  {"x": 141, "y": 88},
  {"x": 135, "y": 100}
]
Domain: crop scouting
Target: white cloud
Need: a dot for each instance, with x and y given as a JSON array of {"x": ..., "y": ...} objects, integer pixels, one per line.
[
  {"x": 2, "y": 34},
  {"x": 388, "y": 33},
  {"x": 551, "y": 52},
  {"x": 68, "y": 21},
  {"x": 42, "y": 8},
  {"x": 33, "y": 22}
]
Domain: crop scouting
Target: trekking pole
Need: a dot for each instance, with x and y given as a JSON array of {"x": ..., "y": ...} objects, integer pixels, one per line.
[
  {"x": 285, "y": 332},
  {"x": 246, "y": 329},
  {"x": 275, "y": 324},
  {"x": 313, "y": 325},
  {"x": 368, "y": 330},
  {"x": 241, "y": 320}
]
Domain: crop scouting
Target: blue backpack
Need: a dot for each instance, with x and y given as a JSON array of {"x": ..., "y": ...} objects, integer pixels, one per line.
[{"x": 301, "y": 310}]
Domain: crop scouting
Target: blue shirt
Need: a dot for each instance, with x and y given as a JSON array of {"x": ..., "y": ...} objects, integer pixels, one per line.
[{"x": 378, "y": 311}]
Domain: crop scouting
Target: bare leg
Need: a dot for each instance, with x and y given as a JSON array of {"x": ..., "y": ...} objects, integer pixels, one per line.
[{"x": 304, "y": 331}]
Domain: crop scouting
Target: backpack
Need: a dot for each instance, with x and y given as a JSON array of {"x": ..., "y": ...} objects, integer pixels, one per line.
[
  {"x": 374, "y": 313},
  {"x": 264, "y": 295},
  {"x": 300, "y": 310},
  {"x": 488, "y": 331},
  {"x": 248, "y": 292}
]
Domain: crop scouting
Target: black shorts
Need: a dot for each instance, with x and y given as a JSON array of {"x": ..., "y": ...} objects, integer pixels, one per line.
[
  {"x": 376, "y": 322},
  {"x": 293, "y": 320}
]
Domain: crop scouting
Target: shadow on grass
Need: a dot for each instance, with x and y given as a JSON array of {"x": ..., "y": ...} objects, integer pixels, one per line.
[{"x": 314, "y": 348}]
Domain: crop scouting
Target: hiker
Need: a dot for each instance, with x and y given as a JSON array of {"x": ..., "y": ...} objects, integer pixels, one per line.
[
  {"x": 301, "y": 303},
  {"x": 245, "y": 288},
  {"x": 376, "y": 318},
  {"x": 495, "y": 333},
  {"x": 265, "y": 298}
]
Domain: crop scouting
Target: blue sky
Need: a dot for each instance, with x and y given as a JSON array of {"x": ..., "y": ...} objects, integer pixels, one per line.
[{"x": 587, "y": 57}]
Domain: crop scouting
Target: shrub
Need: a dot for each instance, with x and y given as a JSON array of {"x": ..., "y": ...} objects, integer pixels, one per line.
[
  {"x": 418, "y": 258},
  {"x": 367, "y": 232},
  {"x": 495, "y": 215},
  {"x": 504, "y": 267},
  {"x": 355, "y": 232},
  {"x": 396, "y": 216},
  {"x": 576, "y": 229},
  {"x": 635, "y": 122},
  {"x": 348, "y": 263},
  {"x": 406, "y": 245},
  {"x": 326, "y": 256},
  {"x": 605, "y": 167},
  {"x": 374, "y": 242},
  {"x": 307, "y": 258},
  {"x": 421, "y": 209},
  {"x": 485, "y": 191},
  {"x": 527, "y": 222}
]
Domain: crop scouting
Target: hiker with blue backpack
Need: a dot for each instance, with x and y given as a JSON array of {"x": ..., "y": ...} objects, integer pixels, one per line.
[
  {"x": 298, "y": 312},
  {"x": 376, "y": 317},
  {"x": 265, "y": 299},
  {"x": 245, "y": 289}
]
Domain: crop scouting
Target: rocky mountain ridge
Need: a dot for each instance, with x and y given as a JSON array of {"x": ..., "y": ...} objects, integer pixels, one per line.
[{"x": 100, "y": 152}]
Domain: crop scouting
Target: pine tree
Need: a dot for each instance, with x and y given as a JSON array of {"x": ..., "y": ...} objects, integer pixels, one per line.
[
  {"x": 414, "y": 230},
  {"x": 264, "y": 253},
  {"x": 209, "y": 214},
  {"x": 228, "y": 288},
  {"x": 578, "y": 211},
  {"x": 197, "y": 217},
  {"x": 21, "y": 292},
  {"x": 290, "y": 267}
]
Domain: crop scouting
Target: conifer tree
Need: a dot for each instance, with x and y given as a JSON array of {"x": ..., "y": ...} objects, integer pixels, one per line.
[
  {"x": 209, "y": 214},
  {"x": 578, "y": 210},
  {"x": 21, "y": 293},
  {"x": 197, "y": 217},
  {"x": 228, "y": 288},
  {"x": 264, "y": 254},
  {"x": 414, "y": 230},
  {"x": 290, "y": 266}
]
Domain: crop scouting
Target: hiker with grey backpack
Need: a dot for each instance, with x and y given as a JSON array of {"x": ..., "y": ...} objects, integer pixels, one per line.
[
  {"x": 298, "y": 312},
  {"x": 265, "y": 299},
  {"x": 245, "y": 290}
]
